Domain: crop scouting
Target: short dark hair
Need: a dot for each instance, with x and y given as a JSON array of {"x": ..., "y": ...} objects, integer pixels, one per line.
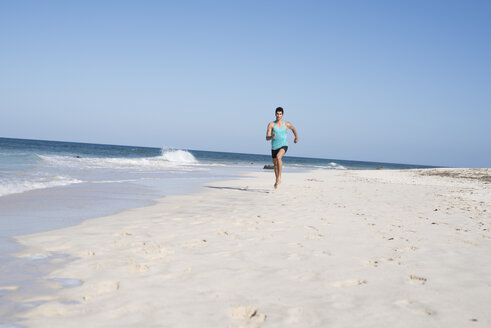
[{"x": 279, "y": 109}]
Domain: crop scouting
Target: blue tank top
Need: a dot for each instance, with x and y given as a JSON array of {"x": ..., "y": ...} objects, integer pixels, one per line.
[{"x": 280, "y": 140}]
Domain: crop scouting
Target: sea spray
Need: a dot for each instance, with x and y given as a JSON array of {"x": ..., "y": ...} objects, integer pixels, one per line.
[{"x": 178, "y": 156}]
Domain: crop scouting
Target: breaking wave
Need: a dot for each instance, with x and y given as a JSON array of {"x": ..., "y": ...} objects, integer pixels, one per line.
[{"x": 167, "y": 159}]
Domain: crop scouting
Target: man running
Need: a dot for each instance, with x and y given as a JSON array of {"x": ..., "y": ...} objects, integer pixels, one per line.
[{"x": 279, "y": 145}]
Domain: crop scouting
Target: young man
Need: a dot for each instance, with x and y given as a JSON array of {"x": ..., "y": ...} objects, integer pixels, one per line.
[{"x": 279, "y": 145}]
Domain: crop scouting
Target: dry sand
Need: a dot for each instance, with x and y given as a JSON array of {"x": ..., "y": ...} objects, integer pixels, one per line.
[{"x": 327, "y": 249}]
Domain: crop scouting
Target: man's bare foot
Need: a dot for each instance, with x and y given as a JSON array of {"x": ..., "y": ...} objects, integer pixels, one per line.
[{"x": 278, "y": 181}]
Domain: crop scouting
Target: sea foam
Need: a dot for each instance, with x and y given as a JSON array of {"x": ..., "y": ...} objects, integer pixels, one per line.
[
  {"x": 11, "y": 186},
  {"x": 178, "y": 156}
]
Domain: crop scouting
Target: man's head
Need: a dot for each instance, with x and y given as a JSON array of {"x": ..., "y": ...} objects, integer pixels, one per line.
[{"x": 279, "y": 113}]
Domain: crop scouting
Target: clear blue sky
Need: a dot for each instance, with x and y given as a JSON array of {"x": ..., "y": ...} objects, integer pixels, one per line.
[{"x": 393, "y": 81}]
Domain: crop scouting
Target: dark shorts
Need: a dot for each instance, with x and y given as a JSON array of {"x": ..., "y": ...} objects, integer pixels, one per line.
[{"x": 274, "y": 152}]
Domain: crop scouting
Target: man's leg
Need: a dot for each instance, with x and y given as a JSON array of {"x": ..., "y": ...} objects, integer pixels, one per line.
[
  {"x": 275, "y": 164},
  {"x": 279, "y": 166}
]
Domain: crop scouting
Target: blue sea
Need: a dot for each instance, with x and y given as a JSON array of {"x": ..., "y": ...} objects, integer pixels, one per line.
[
  {"x": 65, "y": 182},
  {"x": 46, "y": 185}
]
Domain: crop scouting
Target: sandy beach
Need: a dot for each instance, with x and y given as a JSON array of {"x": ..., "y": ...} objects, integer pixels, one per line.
[{"x": 329, "y": 248}]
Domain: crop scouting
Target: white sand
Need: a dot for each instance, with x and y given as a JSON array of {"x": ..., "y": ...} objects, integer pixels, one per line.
[{"x": 328, "y": 249}]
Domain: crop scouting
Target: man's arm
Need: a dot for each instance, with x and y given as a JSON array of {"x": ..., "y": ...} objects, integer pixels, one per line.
[
  {"x": 291, "y": 127},
  {"x": 268, "y": 132}
]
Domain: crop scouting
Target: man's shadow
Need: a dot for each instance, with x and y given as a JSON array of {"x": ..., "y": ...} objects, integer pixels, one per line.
[{"x": 265, "y": 191}]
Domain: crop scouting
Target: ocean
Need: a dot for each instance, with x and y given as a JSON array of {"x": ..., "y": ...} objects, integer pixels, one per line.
[
  {"x": 46, "y": 185},
  {"x": 37, "y": 164},
  {"x": 65, "y": 182}
]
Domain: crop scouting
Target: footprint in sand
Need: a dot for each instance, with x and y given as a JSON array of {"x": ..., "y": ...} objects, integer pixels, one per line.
[
  {"x": 154, "y": 251},
  {"x": 86, "y": 253},
  {"x": 314, "y": 180},
  {"x": 417, "y": 279},
  {"x": 194, "y": 243},
  {"x": 313, "y": 236},
  {"x": 311, "y": 228},
  {"x": 326, "y": 221},
  {"x": 402, "y": 250},
  {"x": 376, "y": 263},
  {"x": 373, "y": 263},
  {"x": 107, "y": 286},
  {"x": 347, "y": 283},
  {"x": 415, "y": 307},
  {"x": 104, "y": 287},
  {"x": 247, "y": 314},
  {"x": 137, "y": 267}
]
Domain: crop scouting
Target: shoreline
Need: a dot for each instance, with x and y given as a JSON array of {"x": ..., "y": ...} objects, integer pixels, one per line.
[
  {"x": 238, "y": 253},
  {"x": 51, "y": 209}
]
